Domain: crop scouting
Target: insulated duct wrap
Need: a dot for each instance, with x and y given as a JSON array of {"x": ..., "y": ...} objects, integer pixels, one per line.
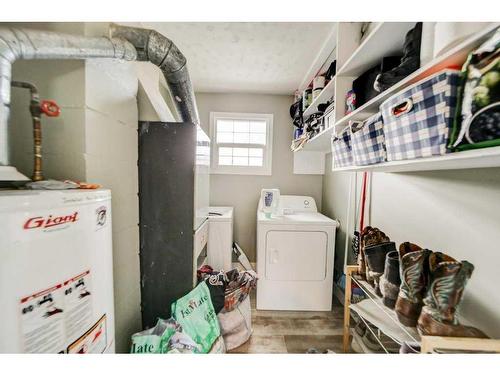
[{"x": 161, "y": 51}]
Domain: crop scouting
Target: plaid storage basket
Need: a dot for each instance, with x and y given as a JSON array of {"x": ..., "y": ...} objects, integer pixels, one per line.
[
  {"x": 367, "y": 141},
  {"x": 341, "y": 149},
  {"x": 417, "y": 122}
]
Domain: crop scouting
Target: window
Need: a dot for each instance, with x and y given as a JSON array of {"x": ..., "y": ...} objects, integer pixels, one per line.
[{"x": 241, "y": 143}]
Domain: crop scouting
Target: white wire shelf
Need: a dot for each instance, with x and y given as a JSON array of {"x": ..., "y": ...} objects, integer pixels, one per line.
[
  {"x": 362, "y": 345},
  {"x": 375, "y": 331},
  {"x": 374, "y": 311}
]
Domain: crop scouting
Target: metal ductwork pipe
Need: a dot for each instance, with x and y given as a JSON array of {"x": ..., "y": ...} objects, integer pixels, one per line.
[
  {"x": 25, "y": 44},
  {"x": 126, "y": 43},
  {"x": 161, "y": 51}
]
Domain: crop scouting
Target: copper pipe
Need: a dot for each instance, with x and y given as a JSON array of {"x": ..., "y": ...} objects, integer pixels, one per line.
[{"x": 36, "y": 112}]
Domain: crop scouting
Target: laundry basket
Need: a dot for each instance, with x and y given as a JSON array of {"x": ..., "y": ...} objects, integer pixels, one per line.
[
  {"x": 341, "y": 149},
  {"x": 367, "y": 141},
  {"x": 417, "y": 122}
]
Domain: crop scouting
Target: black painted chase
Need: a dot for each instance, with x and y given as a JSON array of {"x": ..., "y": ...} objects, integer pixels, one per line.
[{"x": 166, "y": 210}]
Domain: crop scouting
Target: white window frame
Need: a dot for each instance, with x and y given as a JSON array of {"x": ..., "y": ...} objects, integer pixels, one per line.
[{"x": 265, "y": 169}]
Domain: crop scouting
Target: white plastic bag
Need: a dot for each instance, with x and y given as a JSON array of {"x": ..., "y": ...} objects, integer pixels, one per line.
[{"x": 236, "y": 325}]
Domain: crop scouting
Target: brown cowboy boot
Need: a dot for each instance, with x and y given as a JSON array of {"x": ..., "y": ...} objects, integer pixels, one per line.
[
  {"x": 361, "y": 262},
  {"x": 414, "y": 274},
  {"x": 361, "y": 256},
  {"x": 448, "y": 278}
]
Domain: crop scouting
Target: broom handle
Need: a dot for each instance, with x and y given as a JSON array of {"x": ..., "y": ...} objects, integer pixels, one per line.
[{"x": 363, "y": 200}]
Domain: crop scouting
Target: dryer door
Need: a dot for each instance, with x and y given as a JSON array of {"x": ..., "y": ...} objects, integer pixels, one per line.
[{"x": 296, "y": 255}]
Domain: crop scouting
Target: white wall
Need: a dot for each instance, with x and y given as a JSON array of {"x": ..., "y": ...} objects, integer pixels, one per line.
[
  {"x": 63, "y": 137},
  {"x": 335, "y": 204},
  {"x": 62, "y": 81},
  {"x": 243, "y": 191},
  {"x": 111, "y": 118},
  {"x": 94, "y": 139},
  {"x": 455, "y": 212}
]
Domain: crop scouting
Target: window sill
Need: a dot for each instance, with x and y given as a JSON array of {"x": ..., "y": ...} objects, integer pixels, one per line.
[{"x": 249, "y": 172}]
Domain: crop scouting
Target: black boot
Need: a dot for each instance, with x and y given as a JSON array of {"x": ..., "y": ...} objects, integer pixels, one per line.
[
  {"x": 409, "y": 62},
  {"x": 369, "y": 237},
  {"x": 390, "y": 280},
  {"x": 375, "y": 259}
]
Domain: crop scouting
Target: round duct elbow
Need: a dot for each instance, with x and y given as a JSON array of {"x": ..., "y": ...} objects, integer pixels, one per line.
[{"x": 161, "y": 51}]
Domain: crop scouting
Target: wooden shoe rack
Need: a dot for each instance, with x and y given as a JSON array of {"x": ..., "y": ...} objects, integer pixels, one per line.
[{"x": 372, "y": 310}]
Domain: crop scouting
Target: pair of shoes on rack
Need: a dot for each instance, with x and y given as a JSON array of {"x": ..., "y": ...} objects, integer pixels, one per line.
[
  {"x": 380, "y": 261},
  {"x": 373, "y": 340},
  {"x": 432, "y": 286}
]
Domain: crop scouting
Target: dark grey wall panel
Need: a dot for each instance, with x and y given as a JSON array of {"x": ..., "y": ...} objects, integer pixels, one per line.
[{"x": 166, "y": 211}]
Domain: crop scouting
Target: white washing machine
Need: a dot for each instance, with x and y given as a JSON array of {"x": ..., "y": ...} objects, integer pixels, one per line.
[
  {"x": 220, "y": 238},
  {"x": 295, "y": 253}
]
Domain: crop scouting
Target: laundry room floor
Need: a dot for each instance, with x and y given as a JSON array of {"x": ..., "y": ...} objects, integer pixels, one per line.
[{"x": 294, "y": 331}]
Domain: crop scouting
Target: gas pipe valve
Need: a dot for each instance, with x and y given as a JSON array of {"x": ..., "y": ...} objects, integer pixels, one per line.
[{"x": 50, "y": 108}]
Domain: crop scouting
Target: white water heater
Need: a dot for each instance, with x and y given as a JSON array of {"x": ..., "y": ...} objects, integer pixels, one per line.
[{"x": 56, "y": 274}]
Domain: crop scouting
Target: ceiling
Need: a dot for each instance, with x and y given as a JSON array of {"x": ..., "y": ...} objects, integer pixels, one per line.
[{"x": 269, "y": 58}]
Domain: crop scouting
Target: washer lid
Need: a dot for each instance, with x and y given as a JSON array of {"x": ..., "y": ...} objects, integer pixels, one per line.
[
  {"x": 300, "y": 218},
  {"x": 220, "y": 213}
]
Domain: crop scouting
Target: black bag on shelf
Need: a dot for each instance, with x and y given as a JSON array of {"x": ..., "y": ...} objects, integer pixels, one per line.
[
  {"x": 409, "y": 62},
  {"x": 324, "y": 106},
  {"x": 296, "y": 114},
  {"x": 332, "y": 70},
  {"x": 363, "y": 85}
]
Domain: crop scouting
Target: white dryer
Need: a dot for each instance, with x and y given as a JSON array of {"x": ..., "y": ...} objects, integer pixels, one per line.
[{"x": 295, "y": 253}]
